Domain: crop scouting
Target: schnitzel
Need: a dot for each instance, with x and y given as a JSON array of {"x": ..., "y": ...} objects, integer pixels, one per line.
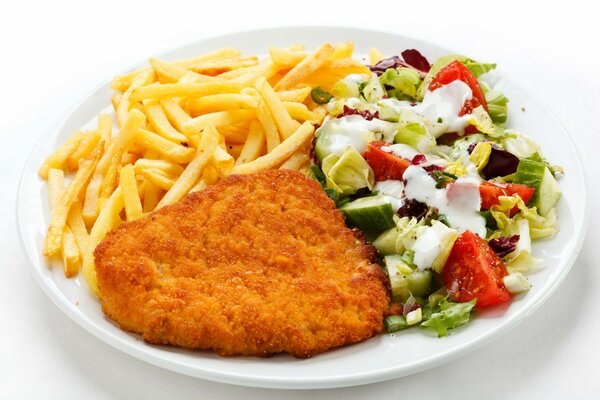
[{"x": 255, "y": 265}]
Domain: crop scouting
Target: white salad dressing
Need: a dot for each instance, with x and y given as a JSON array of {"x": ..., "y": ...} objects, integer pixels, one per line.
[
  {"x": 392, "y": 191},
  {"x": 428, "y": 245},
  {"x": 460, "y": 203},
  {"x": 355, "y": 131},
  {"x": 401, "y": 150},
  {"x": 441, "y": 105}
]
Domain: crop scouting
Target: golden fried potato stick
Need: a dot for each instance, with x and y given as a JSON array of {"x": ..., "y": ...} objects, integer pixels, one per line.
[
  {"x": 126, "y": 101},
  {"x": 158, "y": 119},
  {"x": 217, "y": 119},
  {"x": 119, "y": 143},
  {"x": 268, "y": 125},
  {"x": 175, "y": 114},
  {"x": 306, "y": 67},
  {"x": 107, "y": 219},
  {"x": 70, "y": 253},
  {"x": 53, "y": 239},
  {"x": 286, "y": 58},
  {"x": 77, "y": 226},
  {"x": 220, "y": 102},
  {"x": 168, "y": 149},
  {"x": 88, "y": 141},
  {"x": 285, "y": 123},
  {"x": 189, "y": 177},
  {"x": 60, "y": 156},
  {"x": 254, "y": 144},
  {"x": 279, "y": 153},
  {"x": 184, "y": 90},
  {"x": 131, "y": 196},
  {"x": 342, "y": 50},
  {"x": 296, "y": 161}
]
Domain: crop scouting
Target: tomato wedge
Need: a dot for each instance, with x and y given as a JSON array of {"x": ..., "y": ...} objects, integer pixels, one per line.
[
  {"x": 474, "y": 271},
  {"x": 490, "y": 192},
  {"x": 385, "y": 165},
  {"x": 457, "y": 71}
]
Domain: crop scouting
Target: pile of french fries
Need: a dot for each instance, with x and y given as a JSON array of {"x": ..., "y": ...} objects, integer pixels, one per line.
[{"x": 179, "y": 127}]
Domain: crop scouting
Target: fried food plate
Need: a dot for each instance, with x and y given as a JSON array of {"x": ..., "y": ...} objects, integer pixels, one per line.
[{"x": 381, "y": 358}]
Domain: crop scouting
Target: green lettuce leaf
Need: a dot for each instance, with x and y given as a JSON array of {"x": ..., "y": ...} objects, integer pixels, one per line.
[
  {"x": 415, "y": 135},
  {"x": 497, "y": 106},
  {"x": 347, "y": 173},
  {"x": 539, "y": 226},
  {"x": 404, "y": 81},
  {"x": 447, "y": 315}
]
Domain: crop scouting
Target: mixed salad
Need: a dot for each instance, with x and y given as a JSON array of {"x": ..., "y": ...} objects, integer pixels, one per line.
[{"x": 417, "y": 156}]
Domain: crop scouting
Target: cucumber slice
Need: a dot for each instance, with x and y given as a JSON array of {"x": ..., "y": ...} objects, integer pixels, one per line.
[
  {"x": 370, "y": 214},
  {"x": 549, "y": 193},
  {"x": 537, "y": 175},
  {"x": 385, "y": 243},
  {"x": 419, "y": 283},
  {"x": 397, "y": 271},
  {"x": 530, "y": 173}
]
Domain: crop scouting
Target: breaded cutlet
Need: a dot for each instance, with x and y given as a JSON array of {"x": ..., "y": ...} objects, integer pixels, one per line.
[{"x": 255, "y": 265}]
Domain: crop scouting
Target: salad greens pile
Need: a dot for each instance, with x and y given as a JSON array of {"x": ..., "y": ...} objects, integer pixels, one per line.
[{"x": 418, "y": 157}]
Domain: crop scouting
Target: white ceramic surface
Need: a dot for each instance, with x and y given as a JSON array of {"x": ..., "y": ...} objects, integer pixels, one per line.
[{"x": 381, "y": 358}]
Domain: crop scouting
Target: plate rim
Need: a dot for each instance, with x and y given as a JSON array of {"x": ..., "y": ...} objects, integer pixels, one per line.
[{"x": 145, "y": 354}]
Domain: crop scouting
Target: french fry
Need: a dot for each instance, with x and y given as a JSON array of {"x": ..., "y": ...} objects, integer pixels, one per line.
[
  {"x": 375, "y": 56},
  {"x": 342, "y": 50},
  {"x": 295, "y": 161},
  {"x": 60, "y": 211},
  {"x": 193, "y": 171},
  {"x": 286, "y": 58},
  {"x": 126, "y": 135},
  {"x": 152, "y": 195},
  {"x": 319, "y": 113},
  {"x": 60, "y": 156},
  {"x": 305, "y": 68},
  {"x": 131, "y": 196},
  {"x": 70, "y": 253},
  {"x": 77, "y": 226},
  {"x": 280, "y": 153},
  {"x": 253, "y": 146},
  {"x": 184, "y": 90},
  {"x": 268, "y": 125},
  {"x": 222, "y": 161},
  {"x": 225, "y": 52},
  {"x": 158, "y": 178},
  {"x": 88, "y": 141},
  {"x": 264, "y": 70},
  {"x": 111, "y": 179},
  {"x": 296, "y": 95},
  {"x": 108, "y": 218},
  {"x": 285, "y": 123},
  {"x": 210, "y": 175},
  {"x": 172, "y": 73},
  {"x": 126, "y": 101},
  {"x": 104, "y": 128},
  {"x": 56, "y": 195},
  {"x": 220, "y": 102},
  {"x": 167, "y": 167},
  {"x": 235, "y": 150},
  {"x": 175, "y": 114},
  {"x": 168, "y": 149},
  {"x": 217, "y": 119},
  {"x": 122, "y": 82},
  {"x": 299, "y": 111},
  {"x": 156, "y": 115},
  {"x": 216, "y": 67}
]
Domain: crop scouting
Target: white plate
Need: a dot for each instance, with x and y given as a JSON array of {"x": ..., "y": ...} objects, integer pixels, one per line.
[{"x": 381, "y": 358}]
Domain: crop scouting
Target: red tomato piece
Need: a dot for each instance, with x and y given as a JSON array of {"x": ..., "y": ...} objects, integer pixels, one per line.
[
  {"x": 385, "y": 165},
  {"x": 490, "y": 191},
  {"x": 474, "y": 271},
  {"x": 457, "y": 71}
]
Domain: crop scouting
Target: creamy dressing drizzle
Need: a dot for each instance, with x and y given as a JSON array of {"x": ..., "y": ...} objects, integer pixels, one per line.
[
  {"x": 354, "y": 130},
  {"x": 460, "y": 203},
  {"x": 441, "y": 105},
  {"x": 393, "y": 192}
]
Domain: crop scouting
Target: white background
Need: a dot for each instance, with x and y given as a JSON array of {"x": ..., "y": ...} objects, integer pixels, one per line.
[{"x": 53, "y": 53}]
